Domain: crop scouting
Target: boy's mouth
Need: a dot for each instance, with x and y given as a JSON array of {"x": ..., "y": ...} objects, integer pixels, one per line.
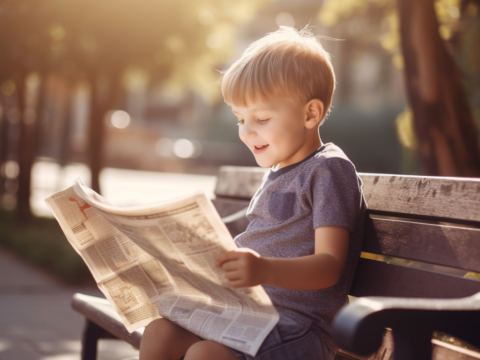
[{"x": 258, "y": 149}]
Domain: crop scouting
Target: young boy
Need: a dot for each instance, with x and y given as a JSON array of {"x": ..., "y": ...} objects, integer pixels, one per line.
[{"x": 306, "y": 219}]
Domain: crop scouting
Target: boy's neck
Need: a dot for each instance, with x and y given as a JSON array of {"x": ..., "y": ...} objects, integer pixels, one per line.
[{"x": 306, "y": 151}]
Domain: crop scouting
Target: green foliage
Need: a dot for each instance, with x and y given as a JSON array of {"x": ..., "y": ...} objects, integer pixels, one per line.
[
  {"x": 448, "y": 15},
  {"x": 42, "y": 243},
  {"x": 453, "y": 17}
]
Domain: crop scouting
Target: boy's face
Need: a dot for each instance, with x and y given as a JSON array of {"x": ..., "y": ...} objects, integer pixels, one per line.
[{"x": 274, "y": 131}]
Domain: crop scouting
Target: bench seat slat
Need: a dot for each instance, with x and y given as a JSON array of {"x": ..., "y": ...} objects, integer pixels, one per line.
[
  {"x": 437, "y": 244},
  {"x": 375, "y": 278},
  {"x": 103, "y": 314}
]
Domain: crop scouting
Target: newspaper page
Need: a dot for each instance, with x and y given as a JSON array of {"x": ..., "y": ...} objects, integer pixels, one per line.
[{"x": 159, "y": 261}]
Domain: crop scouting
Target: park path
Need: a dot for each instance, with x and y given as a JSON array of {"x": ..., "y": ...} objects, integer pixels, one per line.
[{"x": 36, "y": 321}]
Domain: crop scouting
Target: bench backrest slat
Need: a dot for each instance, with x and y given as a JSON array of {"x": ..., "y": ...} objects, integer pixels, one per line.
[
  {"x": 227, "y": 207},
  {"x": 238, "y": 181},
  {"x": 445, "y": 245},
  {"x": 443, "y": 197},
  {"x": 375, "y": 278},
  {"x": 452, "y": 198},
  {"x": 428, "y": 219}
]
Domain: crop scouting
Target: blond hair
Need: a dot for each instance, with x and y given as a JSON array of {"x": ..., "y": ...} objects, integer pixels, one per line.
[{"x": 286, "y": 63}]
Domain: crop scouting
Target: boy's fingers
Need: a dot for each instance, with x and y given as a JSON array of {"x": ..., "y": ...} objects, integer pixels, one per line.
[
  {"x": 226, "y": 256},
  {"x": 233, "y": 275},
  {"x": 236, "y": 283},
  {"x": 229, "y": 266}
]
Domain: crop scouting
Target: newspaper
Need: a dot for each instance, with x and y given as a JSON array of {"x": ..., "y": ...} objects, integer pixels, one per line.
[{"x": 159, "y": 261}]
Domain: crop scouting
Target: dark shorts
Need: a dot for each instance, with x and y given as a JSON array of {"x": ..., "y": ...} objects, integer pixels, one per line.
[{"x": 290, "y": 341}]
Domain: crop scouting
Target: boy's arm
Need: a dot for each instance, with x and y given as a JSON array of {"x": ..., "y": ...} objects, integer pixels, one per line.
[{"x": 244, "y": 267}]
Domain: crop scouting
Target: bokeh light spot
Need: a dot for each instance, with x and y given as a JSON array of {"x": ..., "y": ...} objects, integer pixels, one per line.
[
  {"x": 453, "y": 12},
  {"x": 135, "y": 79},
  {"x": 120, "y": 119},
  {"x": 183, "y": 148},
  {"x": 57, "y": 32},
  {"x": 214, "y": 41},
  {"x": 10, "y": 169}
]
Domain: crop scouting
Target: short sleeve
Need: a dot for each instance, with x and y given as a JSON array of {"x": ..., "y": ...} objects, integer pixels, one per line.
[{"x": 336, "y": 194}]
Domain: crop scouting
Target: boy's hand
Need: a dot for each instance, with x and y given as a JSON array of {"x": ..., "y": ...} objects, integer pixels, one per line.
[{"x": 243, "y": 267}]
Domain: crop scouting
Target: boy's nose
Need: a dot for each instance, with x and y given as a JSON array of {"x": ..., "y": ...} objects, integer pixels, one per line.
[{"x": 247, "y": 131}]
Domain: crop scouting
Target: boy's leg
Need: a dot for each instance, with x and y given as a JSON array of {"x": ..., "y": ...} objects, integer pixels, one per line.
[
  {"x": 207, "y": 350},
  {"x": 164, "y": 340}
]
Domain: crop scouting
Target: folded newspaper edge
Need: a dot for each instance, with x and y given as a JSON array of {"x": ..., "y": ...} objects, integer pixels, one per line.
[{"x": 158, "y": 261}]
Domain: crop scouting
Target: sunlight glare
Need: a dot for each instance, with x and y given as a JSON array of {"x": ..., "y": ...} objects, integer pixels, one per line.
[{"x": 206, "y": 17}]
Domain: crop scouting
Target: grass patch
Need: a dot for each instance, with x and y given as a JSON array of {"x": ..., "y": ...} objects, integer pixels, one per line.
[{"x": 41, "y": 242}]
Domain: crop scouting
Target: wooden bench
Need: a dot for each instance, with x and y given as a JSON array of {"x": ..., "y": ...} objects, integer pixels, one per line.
[{"x": 422, "y": 243}]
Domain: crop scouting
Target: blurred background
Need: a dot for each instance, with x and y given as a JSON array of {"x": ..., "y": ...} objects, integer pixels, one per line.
[{"x": 125, "y": 95}]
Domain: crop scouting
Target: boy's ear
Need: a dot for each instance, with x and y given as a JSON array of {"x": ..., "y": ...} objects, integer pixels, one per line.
[{"x": 314, "y": 113}]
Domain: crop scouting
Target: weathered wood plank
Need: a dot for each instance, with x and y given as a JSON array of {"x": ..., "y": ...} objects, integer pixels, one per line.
[
  {"x": 227, "y": 207},
  {"x": 375, "y": 278},
  {"x": 452, "y": 246},
  {"x": 444, "y": 351},
  {"x": 454, "y": 198},
  {"x": 239, "y": 181},
  {"x": 103, "y": 314}
]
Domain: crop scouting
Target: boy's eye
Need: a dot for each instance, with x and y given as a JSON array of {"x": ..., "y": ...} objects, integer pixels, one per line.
[
  {"x": 240, "y": 122},
  {"x": 262, "y": 120}
]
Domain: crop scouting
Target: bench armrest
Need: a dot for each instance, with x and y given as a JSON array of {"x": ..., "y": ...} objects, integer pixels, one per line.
[
  {"x": 102, "y": 313},
  {"x": 359, "y": 326}
]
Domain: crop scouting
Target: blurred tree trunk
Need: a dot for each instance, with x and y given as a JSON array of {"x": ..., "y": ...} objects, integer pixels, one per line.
[
  {"x": 103, "y": 95},
  {"x": 25, "y": 150},
  {"x": 65, "y": 141},
  {"x": 3, "y": 138},
  {"x": 9, "y": 106},
  {"x": 446, "y": 133}
]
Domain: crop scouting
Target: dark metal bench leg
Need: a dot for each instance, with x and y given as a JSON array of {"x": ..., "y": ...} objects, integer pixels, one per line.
[
  {"x": 412, "y": 345},
  {"x": 91, "y": 334}
]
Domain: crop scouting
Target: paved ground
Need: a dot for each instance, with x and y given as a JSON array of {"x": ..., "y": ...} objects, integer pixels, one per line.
[{"x": 36, "y": 321}]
